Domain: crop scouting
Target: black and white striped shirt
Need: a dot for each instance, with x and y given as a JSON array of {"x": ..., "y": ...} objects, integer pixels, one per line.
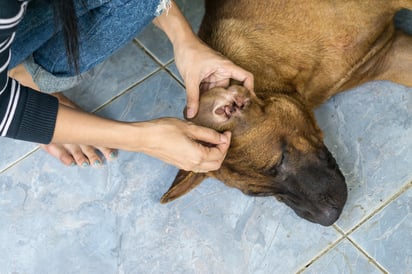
[{"x": 25, "y": 114}]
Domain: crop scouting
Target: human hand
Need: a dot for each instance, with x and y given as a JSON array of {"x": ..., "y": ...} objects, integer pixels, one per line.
[
  {"x": 202, "y": 68},
  {"x": 183, "y": 144},
  {"x": 199, "y": 65}
]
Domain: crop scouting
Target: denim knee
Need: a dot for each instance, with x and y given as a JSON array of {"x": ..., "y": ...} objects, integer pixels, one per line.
[
  {"x": 104, "y": 27},
  {"x": 102, "y": 31}
]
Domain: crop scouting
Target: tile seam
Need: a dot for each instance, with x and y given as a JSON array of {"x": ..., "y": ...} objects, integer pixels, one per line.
[
  {"x": 321, "y": 253},
  {"x": 20, "y": 159},
  {"x": 397, "y": 194},
  {"x": 126, "y": 90},
  {"x": 371, "y": 260}
]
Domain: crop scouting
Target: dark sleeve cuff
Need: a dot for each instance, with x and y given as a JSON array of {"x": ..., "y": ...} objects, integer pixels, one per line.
[{"x": 36, "y": 113}]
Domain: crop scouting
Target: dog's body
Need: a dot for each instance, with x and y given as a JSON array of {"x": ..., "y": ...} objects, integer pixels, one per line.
[
  {"x": 301, "y": 54},
  {"x": 315, "y": 48}
]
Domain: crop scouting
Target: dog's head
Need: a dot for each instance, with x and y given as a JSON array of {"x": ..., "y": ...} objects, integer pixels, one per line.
[{"x": 276, "y": 150}]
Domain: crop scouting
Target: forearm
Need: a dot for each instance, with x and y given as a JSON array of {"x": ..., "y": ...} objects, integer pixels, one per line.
[
  {"x": 168, "y": 139},
  {"x": 175, "y": 26},
  {"x": 78, "y": 127}
]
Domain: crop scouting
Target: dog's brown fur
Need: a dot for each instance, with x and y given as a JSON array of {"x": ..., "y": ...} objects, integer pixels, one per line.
[{"x": 301, "y": 54}]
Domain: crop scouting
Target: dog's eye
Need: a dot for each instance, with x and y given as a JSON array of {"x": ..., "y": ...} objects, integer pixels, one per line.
[
  {"x": 281, "y": 159},
  {"x": 273, "y": 171}
]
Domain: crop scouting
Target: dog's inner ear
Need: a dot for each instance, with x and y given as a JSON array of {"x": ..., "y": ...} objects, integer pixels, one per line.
[{"x": 184, "y": 182}]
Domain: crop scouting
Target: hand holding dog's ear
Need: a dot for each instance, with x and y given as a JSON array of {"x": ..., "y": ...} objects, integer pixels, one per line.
[
  {"x": 203, "y": 68},
  {"x": 185, "y": 145}
]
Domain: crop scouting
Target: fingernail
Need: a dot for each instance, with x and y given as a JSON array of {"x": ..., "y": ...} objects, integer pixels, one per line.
[
  {"x": 85, "y": 164},
  {"x": 97, "y": 163},
  {"x": 224, "y": 138},
  {"x": 190, "y": 113},
  {"x": 73, "y": 164}
]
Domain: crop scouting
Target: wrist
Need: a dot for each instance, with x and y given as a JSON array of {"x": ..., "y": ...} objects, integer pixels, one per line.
[
  {"x": 136, "y": 136},
  {"x": 175, "y": 26}
]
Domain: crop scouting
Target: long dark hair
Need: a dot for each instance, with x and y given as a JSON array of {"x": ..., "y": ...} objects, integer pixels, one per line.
[{"x": 65, "y": 16}]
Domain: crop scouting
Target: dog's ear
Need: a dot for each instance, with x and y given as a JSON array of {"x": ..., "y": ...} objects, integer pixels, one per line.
[{"x": 184, "y": 182}]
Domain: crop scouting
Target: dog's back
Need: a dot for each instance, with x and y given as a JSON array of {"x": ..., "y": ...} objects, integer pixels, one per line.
[{"x": 312, "y": 47}]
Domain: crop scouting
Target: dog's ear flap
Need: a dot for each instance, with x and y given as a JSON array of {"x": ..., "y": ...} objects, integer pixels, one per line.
[{"x": 184, "y": 182}]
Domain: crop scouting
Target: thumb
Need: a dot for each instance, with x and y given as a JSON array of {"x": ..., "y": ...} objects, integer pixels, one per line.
[
  {"x": 192, "y": 106},
  {"x": 210, "y": 136}
]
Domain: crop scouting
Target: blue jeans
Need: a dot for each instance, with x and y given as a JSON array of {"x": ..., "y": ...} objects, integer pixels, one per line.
[{"x": 104, "y": 27}]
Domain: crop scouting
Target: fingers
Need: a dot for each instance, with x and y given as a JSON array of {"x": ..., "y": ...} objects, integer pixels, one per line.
[
  {"x": 217, "y": 154},
  {"x": 210, "y": 136},
  {"x": 192, "y": 90},
  {"x": 205, "y": 86},
  {"x": 243, "y": 76},
  {"x": 212, "y": 156}
]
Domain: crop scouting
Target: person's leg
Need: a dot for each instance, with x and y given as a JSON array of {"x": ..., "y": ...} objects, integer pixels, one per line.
[
  {"x": 102, "y": 31},
  {"x": 38, "y": 26}
]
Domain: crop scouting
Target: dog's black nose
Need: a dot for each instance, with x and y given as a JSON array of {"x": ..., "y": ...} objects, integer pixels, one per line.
[{"x": 328, "y": 216}]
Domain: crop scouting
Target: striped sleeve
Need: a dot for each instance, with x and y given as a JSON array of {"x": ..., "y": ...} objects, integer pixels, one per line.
[{"x": 25, "y": 114}]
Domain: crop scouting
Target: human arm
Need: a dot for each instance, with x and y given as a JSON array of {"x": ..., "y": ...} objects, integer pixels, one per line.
[
  {"x": 24, "y": 114},
  {"x": 168, "y": 139},
  {"x": 32, "y": 116},
  {"x": 197, "y": 63},
  {"x": 40, "y": 118}
]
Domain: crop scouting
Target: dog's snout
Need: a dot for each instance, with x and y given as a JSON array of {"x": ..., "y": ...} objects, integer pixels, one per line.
[
  {"x": 325, "y": 156},
  {"x": 325, "y": 215},
  {"x": 328, "y": 216}
]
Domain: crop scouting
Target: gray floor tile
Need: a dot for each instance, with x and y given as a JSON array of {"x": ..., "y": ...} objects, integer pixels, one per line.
[
  {"x": 387, "y": 236},
  {"x": 110, "y": 220},
  {"x": 123, "y": 70},
  {"x": 158, "y": 96},
  {"x": 343, "y": 259},
  {"x": 55, "y": 218},
  {"x": 156, "y": 42},
  {"x": 368, "y": 130},
  {"x": 13, "y": 150},
  {"x": 193, "y": 11}
]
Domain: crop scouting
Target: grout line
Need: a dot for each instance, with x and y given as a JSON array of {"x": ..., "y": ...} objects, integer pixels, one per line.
[
  {"x": 379, "y": 208},
  {"x": 150, "y": 54},
  {"x": 158, "y": 62},
  {"x": 160, "y": 68},
  {"x": 16, "y": 162},
  {"x": 175, "y": 77},
  {"x": 371, "y": 260},
  {"x": 321, "y": 253},
  {"x": 117, "y": 96}
]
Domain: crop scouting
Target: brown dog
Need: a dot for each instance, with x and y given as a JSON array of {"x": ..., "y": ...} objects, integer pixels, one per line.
[{"x": 301, "y": 54}]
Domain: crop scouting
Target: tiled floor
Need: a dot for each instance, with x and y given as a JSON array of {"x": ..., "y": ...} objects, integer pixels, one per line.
[{"x": 55, "y": 219}]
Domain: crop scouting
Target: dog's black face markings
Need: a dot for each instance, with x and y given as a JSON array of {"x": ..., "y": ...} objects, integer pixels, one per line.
[{"x": 312, "y": 185}]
